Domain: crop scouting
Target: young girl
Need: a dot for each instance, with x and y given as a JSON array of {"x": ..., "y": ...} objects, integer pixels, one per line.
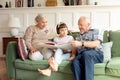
[{"x": 60, "y": 55}]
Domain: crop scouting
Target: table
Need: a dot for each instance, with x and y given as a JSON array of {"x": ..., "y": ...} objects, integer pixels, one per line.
[{"x": 6, "y": 40}]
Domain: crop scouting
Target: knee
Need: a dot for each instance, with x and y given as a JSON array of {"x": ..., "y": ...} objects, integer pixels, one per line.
[
  {"x": 47, "y": 53},
  {"x": 87, "y": 55},
  {"x": 36, "y": 56},
  {"x": 59, "y": 51},
  {"x": 75, "y": 62}
]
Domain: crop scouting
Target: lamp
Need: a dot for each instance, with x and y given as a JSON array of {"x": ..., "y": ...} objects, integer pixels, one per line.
[{"x": 14, "y": 23}]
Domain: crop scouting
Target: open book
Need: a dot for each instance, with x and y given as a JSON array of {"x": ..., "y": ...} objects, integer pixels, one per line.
[{"x": 52, "y": 45}]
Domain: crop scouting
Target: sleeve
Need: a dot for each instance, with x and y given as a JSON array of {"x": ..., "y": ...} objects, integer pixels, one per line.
[
  {"x": 28, "y": 37},
  {"x": 98, "y": 35},
  {"x": 55, "y": 39}
]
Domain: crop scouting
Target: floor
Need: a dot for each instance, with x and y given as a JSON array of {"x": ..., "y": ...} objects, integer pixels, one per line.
[{"x": 3, "y": 74}]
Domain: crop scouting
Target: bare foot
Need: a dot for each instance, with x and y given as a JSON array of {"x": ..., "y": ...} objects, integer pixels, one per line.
[
  {"x": 50, "y": 59},
  {"x": 71, "y": 58},
  {"x": 46, "y": 72},
  {"x": 53, "y": 64}
]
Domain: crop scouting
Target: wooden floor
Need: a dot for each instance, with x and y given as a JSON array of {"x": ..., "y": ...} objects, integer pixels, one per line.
[{"x": 3, "y": 74}]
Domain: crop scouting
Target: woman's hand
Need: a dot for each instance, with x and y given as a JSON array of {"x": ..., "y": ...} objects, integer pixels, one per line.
[{"x": 32, "y": 50}]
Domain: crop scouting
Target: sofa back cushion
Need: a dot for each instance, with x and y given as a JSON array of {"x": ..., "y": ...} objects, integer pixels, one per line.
[
  {"x": 114, "y": 36},
  {"x": 74, "y": 34},
  {"x": 105, "y": 36}
]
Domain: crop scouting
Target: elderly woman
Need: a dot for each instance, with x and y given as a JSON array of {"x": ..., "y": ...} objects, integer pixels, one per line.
[{"x": 36, "y": 34}]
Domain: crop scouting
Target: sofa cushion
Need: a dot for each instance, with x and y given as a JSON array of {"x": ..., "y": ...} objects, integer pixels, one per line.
[
  {"x": 31, "y": 65},
  {"x": 64, "y": 67},
  {"x": 99, "y": 68},
  {"x": 115, "y": 37},
  {"x": 113, "y": 67},
  {"x": 42, "y": 64}
]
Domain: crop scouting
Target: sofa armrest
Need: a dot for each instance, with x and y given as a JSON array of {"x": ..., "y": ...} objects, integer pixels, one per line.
[{"x": 11, "y": 56}]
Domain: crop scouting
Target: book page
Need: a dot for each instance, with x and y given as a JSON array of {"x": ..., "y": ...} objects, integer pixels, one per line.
[
  {"x": 52, "y": 45},
  {"x": 65, "y": 46}
]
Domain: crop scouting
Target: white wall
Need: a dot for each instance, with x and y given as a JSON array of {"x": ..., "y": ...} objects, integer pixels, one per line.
[
  {"x": 102, "y": 17},
  {"x": 104, "y": 2}
]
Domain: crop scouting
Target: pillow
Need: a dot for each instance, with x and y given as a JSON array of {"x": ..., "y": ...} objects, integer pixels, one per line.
[
  {"x": 22, "y": 49},
  {"x": 107, "y": 51}
]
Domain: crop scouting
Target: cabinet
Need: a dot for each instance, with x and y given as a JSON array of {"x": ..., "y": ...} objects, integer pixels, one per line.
[{"x": 6, "y": 40}]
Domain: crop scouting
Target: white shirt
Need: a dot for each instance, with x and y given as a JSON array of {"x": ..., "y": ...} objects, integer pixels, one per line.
[{"x": 65, "y": 39}]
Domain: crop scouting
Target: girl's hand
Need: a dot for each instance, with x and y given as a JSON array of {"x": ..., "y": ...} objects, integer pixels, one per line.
[{"x": 67, "y": 51}]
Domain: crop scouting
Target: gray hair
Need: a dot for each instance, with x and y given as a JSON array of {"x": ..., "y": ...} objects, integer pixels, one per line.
[
  {"x": 85, "y": 18},
  {"x": 39, "y": 17}
]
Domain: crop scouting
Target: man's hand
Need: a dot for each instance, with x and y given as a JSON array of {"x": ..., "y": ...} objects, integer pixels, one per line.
[{"x": 76, "y": 43}]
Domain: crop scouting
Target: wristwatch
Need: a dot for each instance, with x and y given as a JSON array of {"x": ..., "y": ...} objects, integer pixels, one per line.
[{"x": 82, "y": 43}]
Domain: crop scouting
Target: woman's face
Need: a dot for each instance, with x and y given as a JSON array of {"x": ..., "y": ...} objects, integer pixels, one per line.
[
  {"x": 42, "y": 23},
  {"x": 63, "y": 32}
]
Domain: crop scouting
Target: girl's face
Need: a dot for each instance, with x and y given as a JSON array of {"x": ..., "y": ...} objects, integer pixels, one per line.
[{"x": 63, "y": 32}]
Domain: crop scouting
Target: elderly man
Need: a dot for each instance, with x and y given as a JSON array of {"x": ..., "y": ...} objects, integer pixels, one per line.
[{"x": 88, "y": 44}]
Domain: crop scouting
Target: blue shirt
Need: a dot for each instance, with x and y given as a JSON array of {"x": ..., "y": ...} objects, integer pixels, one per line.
[{"x": 91, "y": 35}]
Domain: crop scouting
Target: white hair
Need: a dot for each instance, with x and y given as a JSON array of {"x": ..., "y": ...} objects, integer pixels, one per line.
[
  {"x": 85, "y": 18},
  {"x": 39, "y": 17}
]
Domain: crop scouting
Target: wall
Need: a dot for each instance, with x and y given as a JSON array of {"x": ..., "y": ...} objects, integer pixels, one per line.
[
  {"x": 104, "y": 2},
  {"x": 102, "y": 17}
]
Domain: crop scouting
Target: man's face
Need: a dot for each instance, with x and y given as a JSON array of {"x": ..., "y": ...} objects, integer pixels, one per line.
[{"x": 83, "y": 25}]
